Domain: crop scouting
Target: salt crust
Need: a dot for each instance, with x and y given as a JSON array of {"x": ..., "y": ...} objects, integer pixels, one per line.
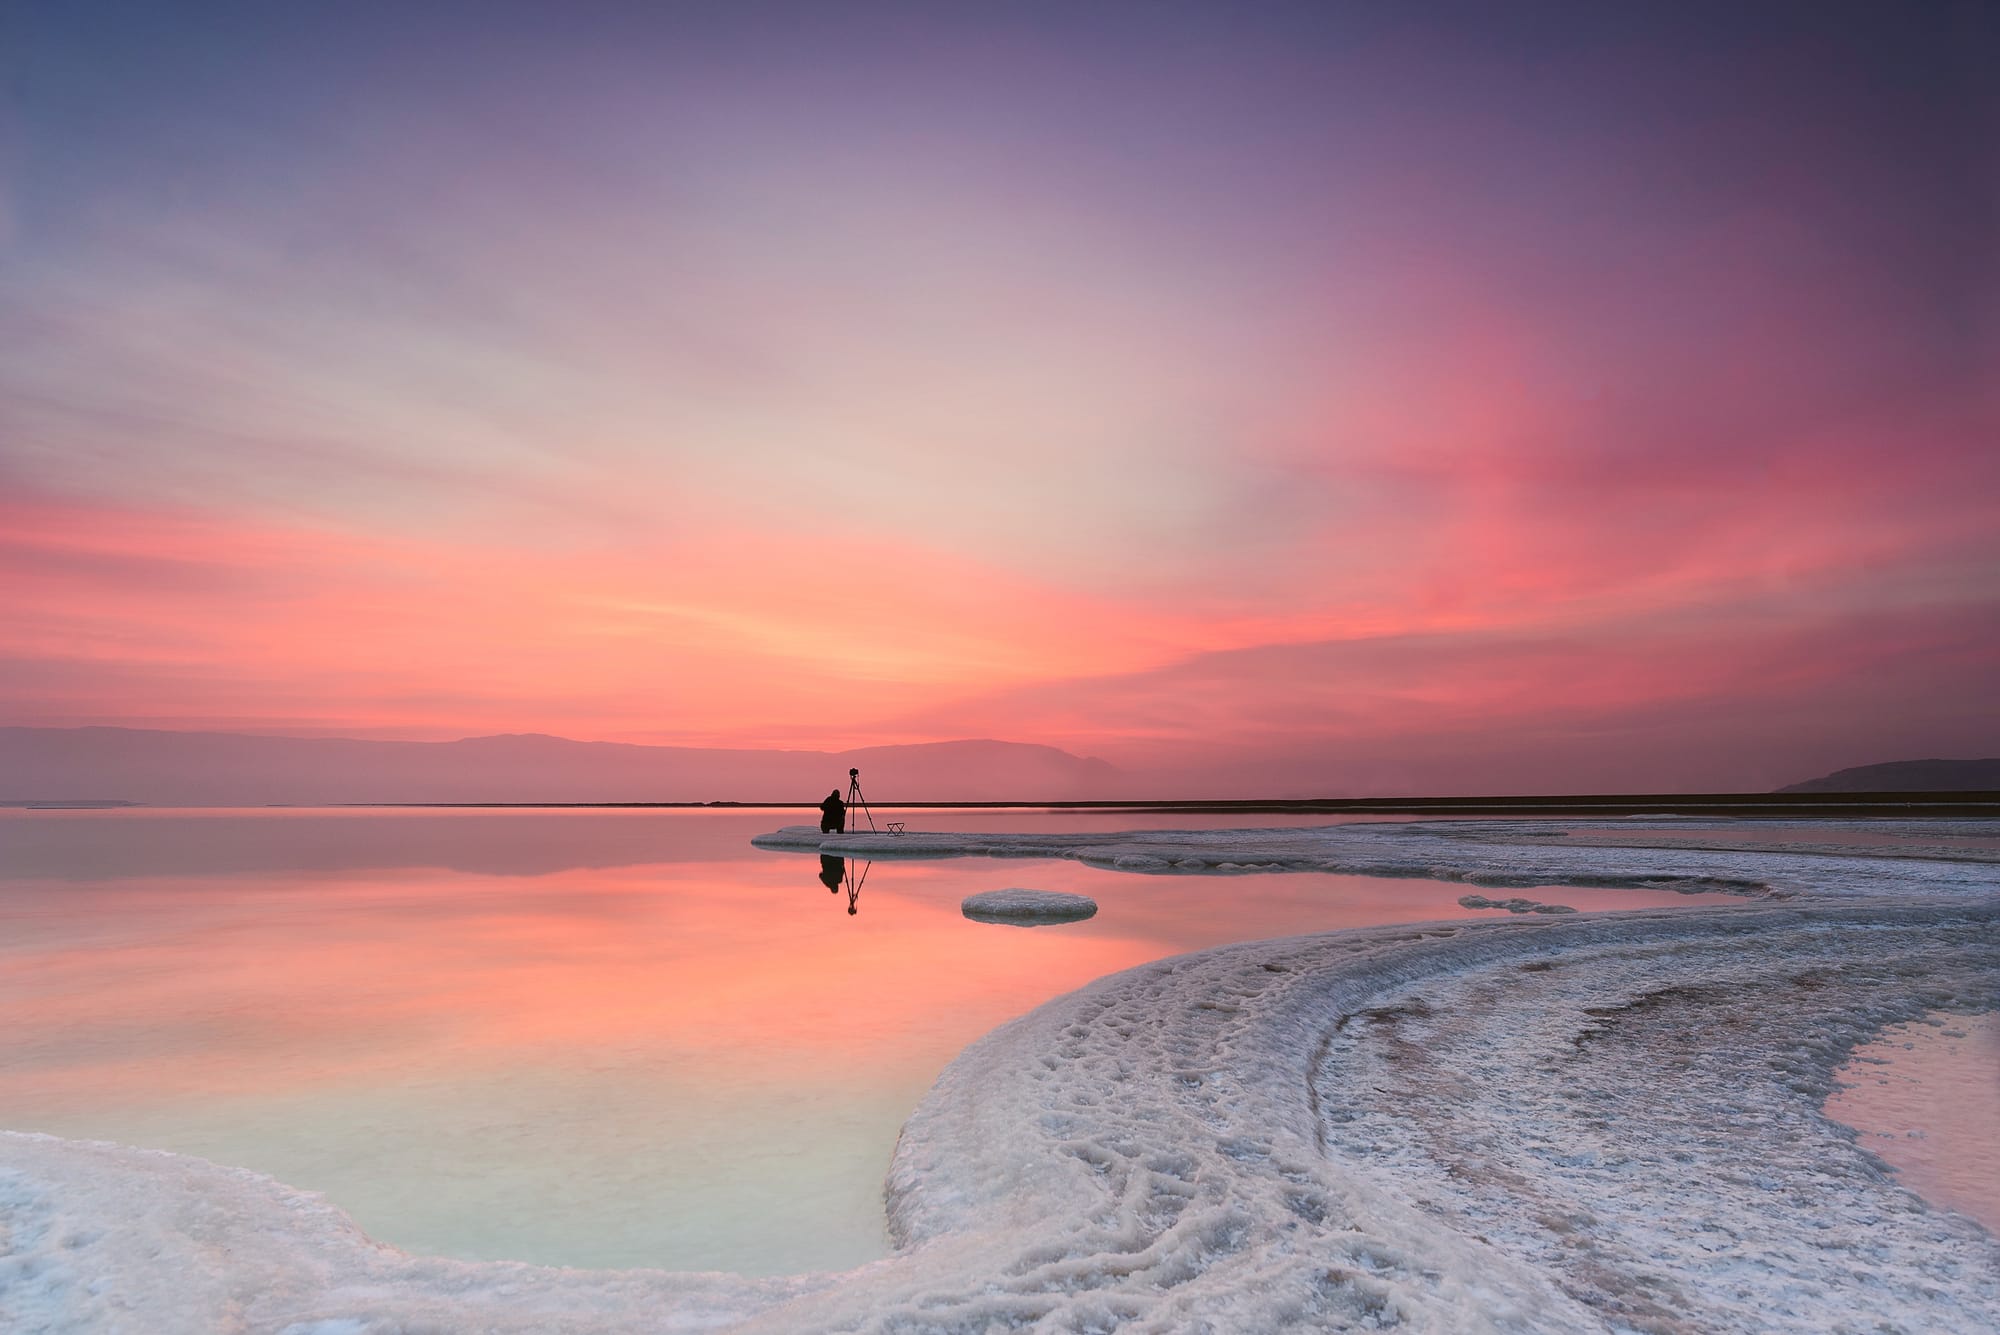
[
  {"x": 1502, "y": 854},
  {"x": 1518, "y": 904},
  {"x": 1604, "y": 1122},
  {"x": 1028, "y": 907}
]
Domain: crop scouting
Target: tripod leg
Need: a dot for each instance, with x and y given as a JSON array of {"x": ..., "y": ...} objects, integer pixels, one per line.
[{"x": 855, "y": 799}]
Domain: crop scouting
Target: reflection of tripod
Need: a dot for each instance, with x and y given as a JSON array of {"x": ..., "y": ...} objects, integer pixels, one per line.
[
  {"x": 854, "y": 884},
  {"x": 855, "y": 799},
  {"x": 837, "y": 874}
]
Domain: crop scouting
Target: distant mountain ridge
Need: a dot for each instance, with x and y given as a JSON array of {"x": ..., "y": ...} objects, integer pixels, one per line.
[
  {"x": 1908, "y": 776},
  {"x": 229, "y": 769}
]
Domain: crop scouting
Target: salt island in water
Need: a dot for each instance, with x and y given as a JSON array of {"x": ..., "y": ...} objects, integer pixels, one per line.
[{"x": 1574, "y": 1122}]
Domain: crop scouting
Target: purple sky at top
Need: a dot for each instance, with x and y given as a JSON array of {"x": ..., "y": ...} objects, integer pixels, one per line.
[{"x": 1329, "y": 396}]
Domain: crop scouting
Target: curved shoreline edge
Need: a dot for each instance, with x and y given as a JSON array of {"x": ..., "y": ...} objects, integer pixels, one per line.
[
  {"x": 1512, "y": 1125},
  {"x": 1503, "y": 854}
]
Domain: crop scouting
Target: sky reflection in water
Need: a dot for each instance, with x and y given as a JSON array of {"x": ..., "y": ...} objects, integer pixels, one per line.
[{"x": 575, "y": 1037}]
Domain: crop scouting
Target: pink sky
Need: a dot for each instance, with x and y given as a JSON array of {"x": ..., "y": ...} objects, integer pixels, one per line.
[{"x": 1415, "y": 416}]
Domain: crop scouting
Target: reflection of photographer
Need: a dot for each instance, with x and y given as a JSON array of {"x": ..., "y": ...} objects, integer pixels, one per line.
[{"x": 836, "y": 872}]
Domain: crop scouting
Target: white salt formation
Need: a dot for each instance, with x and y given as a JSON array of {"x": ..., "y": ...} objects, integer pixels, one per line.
[
  {"x": 1028, "y": 908},
  {"x": 1660, "y": 852},
  {"x": 1517, "y": 904},
  {"x": 1597, "y": 1123}
]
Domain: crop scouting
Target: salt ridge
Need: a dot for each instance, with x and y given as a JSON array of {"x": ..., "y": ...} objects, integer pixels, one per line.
[
  {"x": 1503, "y": 854},
  {"x": 1530, "y": 1124}
]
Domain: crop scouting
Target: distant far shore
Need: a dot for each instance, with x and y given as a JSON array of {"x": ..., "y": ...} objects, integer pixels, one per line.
[
  {"x": 1749, "y": 805},
  {"x": 1588, "y": 804}
]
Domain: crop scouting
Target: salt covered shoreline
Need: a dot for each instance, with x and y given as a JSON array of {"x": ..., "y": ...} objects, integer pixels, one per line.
[{"x": 1589, "y": 1123}]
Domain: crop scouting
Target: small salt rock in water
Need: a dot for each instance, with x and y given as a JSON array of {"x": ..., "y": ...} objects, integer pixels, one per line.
[
  {"x": 1516, "y": 905},
  {"x": 1027, "y": 908}
]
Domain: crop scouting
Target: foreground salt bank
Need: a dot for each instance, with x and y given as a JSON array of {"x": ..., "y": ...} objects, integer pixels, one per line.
[{"x": 1582, "y": 1123}]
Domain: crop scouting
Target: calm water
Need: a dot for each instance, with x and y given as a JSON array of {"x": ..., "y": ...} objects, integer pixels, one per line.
[
  {"x": 601, "y": 1038},
  {"x": 1926, "y": 1098}
]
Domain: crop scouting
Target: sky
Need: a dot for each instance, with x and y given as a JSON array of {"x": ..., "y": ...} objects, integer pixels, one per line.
[{"x": 1319, "y": 399}]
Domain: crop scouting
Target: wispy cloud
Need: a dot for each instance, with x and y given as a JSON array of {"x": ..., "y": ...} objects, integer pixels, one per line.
[{"x": 1153, "y": 384}]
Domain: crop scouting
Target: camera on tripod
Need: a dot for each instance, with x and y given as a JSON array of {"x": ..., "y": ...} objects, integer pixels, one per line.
[{"x": 855, "y": 799}]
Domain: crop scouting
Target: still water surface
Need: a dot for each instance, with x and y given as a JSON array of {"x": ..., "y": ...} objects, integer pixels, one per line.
[{"x": 594, "y": 1038}]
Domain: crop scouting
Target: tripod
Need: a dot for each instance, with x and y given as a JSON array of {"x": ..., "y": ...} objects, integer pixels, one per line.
[{"x": 855, "y": 799}]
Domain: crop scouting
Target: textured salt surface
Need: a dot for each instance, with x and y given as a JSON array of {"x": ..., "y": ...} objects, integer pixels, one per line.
[
  {"x": 1517, "y": 904},
  {"x": 1028, "y": 908},
  {"x": 1483, "y": 853},
  {"x": 1575, "y": 1123}
]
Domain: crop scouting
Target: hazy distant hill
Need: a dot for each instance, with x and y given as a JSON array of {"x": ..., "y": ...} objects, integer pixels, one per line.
[
  {"x": 217, "y": 768},
  {"x": 1908, "y": 776}
]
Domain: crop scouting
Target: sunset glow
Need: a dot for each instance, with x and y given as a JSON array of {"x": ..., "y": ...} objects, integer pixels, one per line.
[{"x": 1334, "y": 401}]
